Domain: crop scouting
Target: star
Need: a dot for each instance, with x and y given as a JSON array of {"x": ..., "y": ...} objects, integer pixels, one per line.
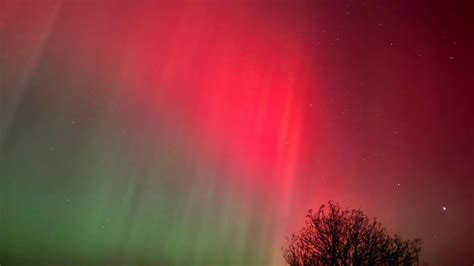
[{"x": 444, "y": 208}]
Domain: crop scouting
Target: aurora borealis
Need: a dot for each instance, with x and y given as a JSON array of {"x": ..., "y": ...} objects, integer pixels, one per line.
[{"x": 200, "y": 132}]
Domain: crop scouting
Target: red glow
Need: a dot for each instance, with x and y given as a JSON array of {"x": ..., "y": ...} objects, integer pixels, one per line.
[{"x": 235, "y": 79}]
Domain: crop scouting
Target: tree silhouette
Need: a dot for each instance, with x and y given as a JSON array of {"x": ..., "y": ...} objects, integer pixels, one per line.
[{"x": 335, "y": 236}]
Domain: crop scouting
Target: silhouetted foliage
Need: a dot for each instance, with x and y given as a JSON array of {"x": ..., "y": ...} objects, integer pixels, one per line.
[{"x": 335, "y": 236}]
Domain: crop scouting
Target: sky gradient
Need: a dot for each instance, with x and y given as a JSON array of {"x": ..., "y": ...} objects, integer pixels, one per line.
[{"x": 200, "y": 132}]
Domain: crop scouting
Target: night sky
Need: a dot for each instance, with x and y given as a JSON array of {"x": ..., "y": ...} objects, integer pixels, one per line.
[{"x": 200, "y": 132}]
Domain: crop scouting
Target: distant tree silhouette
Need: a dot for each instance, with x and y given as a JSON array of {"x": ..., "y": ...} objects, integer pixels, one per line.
[{"x": 335, "y": 236}]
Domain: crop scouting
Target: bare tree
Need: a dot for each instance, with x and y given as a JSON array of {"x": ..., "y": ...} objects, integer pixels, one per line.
[{"x": 335, "y": 236}]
